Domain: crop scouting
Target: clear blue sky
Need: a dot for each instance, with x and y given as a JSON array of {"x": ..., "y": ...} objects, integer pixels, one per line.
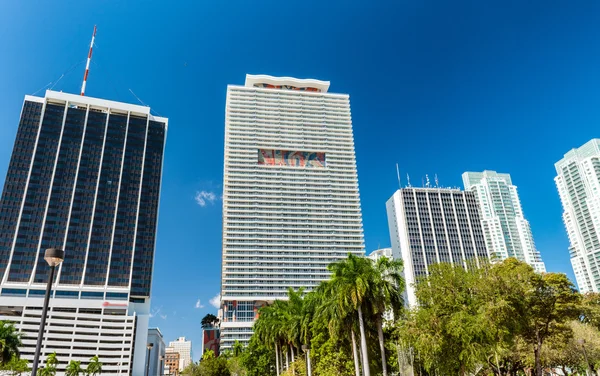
[{"x": 438, "y": 87}]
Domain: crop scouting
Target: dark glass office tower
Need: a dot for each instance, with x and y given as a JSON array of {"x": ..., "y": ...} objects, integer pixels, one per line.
[{"x": 84, "y": 176}]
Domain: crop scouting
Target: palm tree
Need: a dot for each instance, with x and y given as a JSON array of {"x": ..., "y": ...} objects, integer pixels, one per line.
[
  {"x": 209, "y": 321},
  {"x": 10, "y": 340},
  {"x": 238, "y": 348},
  {"x": 94, "y": 367},
  {"x": 351, "y": 280},
  {"x": 50, "y": 368},
  {"x": 339, "y": 319},
  {"x": 385, "y": 295},
  {"x": 269, "y": 330},
  {"x": 74, "y": 368}
]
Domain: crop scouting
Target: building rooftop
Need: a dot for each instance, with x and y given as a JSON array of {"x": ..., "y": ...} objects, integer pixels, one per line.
[
  {"x": 592, "y": 147},
  {"x": 290, "y": 83}
]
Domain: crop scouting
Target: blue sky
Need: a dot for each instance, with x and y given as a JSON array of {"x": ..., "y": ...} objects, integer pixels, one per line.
[{"x": 437, "y": 87}]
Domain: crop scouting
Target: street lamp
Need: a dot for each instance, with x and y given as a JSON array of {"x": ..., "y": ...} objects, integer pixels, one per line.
[
  {"x": 53, "y": 257},
  {"x": 149, "y": 347},
  {"x": 306, "y": 348},
  {"x": 588, "y": 371},
  {"x": 162, "y": 367}
]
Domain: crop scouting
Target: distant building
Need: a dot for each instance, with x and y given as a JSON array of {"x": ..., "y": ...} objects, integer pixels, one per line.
[
  {"x": 379, "y": 253},
  {"x": 291, "y": 203},
  {"x": 210, "y": 340},
  {"x": 84, "y": 176},
  {"x": 432, "y": 225},
  {"x": 157, "y": 353},
  {"x": 171, "y": 362},
  {"x": 578, "y": 182},
  {"x": 184, "y": 348},
  {"x": 507, "y": 232}
]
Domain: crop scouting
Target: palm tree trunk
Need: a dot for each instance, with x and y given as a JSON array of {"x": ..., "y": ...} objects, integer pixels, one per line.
[
  {"x": 277, "y": 357},
  {"x": 363, "y": 343},
  {"x": 355, "y": 355},
  {"x": 292, "y": 350},
  {"x": 287, "y": 360},
  {"x": 381, "y": 344}
]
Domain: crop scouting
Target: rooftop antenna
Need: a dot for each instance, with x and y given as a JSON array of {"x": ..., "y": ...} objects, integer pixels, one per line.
[
  {"x": 87, "y": 65},
  {"x": 427, "y": 179},
  {"x": 408, "y": 179},
  {"x": 398, "y": 173},
  {"x": 437, "y": 182}
]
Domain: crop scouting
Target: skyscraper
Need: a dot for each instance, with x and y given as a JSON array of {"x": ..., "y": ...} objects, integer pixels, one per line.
[
  {"x": 507, "y": 232},
  {"x": 578, "y": 182},
  {"x": 157, "y": 352},
  {"x": 290, "y": 198},
  {"x": 84, "y": 176},
  {"x": 184, "y": 349},
  {"x": 432, "y": 225}
]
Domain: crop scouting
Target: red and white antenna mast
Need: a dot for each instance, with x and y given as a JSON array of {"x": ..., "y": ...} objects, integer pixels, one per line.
[{"x": 87, "y": 65}]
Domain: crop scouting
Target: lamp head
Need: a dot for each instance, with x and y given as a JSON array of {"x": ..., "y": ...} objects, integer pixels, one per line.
[
  {"x": 54, "y": 256},
  {"x": 149, "y": 346}
]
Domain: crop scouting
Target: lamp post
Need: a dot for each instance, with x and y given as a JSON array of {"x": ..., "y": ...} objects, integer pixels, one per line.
[
  {"x": 149, "y": 347},
  {"x": 53, "y": 257},
  {"x": 306, "y": 348},
  {"x": 588, "y": 370},
  {"x": 162, "y": 367}
]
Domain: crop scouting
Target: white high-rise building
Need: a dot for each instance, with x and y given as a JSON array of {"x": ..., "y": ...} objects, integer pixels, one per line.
[
  {"x": 184, "y": 349},
  {"x": 507, "y": 232},
  {"x": 290, "y": 198},
  {"x": 578, "y": 183},
  {"x": 379, "y": 253},
  {"x": 433, "y": 225}
]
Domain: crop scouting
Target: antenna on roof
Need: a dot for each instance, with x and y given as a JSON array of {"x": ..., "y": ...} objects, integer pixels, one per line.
[
  {"x": 87, "y": 65},
  {"x": 437, "y": 182},
  {"x": 398, "y": 173},
  {"x": 408, "y": 179},
  {"x": 427, "y": 179}
]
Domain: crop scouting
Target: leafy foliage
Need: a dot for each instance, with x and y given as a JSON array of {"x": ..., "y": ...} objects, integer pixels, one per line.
[
  {"x": 94, "y": 367},
  {"x": 10, "y": 340}
]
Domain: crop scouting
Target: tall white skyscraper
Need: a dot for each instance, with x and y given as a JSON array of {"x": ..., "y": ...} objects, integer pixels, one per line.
[
  {"x": 84, "y": 176},
  {"x": 432, "y": 225},
  {"x": 184, "y": 349},
  {"x": 578, "y": 183},
  {"x": 507, "y": 232},
  {"x": 290, "y": 198}
]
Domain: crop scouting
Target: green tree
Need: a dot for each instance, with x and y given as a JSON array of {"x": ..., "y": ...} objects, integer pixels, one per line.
[
  {"x": 94, "y": 367},
  {"x": 193, "y": 369},
  {"x": 213, "y": 366},
  {"x": 540, "y": 305},
  {"x": 73, "y": 368},
  {"x": 351, "y": 279},
  {"x": 16, "y": 366},
  {"x": 10, "y": 340},
  {"x": 591, "y": 309},
  {"x": 258, "y": 359},
  {"x": 209, "y": 321},
  {"x": 238, "y": 348},
  {"x": 208, "y": 355},
  {"x": 339, "y": 320},
  {"x": 50, "y": 367},
  {"x": 446, "y": 329},
  {"x": 386, "y": 296}
]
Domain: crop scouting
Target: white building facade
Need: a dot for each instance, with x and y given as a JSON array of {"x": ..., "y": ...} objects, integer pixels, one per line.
[
  {"x": 578, "y": 183},
  {"x": 379, "y": 253},
  {"x": 290, "y": 199},
  {"x": 85, "y": 177},
  {"x": 433, "y": 225},
  {"x": 507, "y": 232},
  {"x": 184, "y": 348}
]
